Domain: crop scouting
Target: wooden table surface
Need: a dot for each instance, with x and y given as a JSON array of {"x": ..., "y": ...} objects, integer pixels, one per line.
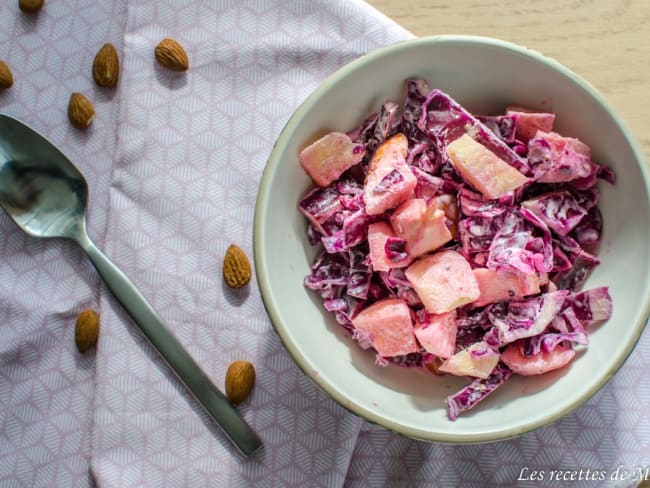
[{"x": 606, "y": 42}]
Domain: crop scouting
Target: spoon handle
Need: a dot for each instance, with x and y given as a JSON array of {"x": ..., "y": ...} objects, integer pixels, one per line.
[{"x": 180, "y": 362}]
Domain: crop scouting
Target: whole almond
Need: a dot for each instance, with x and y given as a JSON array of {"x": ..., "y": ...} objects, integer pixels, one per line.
[
  {"x": 171, "y": 55},
  {"x": 86, "y": 330},
  {"x": 30, "y": 6},
  {"x": 106, "y": 66},
  {"x": 80, "y": 111},
  {"x": 6, "y": 78},
  {"x": 240, "y": 379},
  {"x": 237, "y": 270}
]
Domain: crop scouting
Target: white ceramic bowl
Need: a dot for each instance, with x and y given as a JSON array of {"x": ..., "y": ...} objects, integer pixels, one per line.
[{"x": 484, "y": 75}]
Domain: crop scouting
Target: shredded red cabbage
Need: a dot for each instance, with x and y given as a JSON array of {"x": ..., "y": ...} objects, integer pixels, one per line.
[
  {"x": 503, "y": 126},
  {"x": 476, "y": 391},
  {"x": 395, "y": 249},
  {"x": 443, "y": 120},
  {"x": 544, "y": 232},
  {"x": 519, "y": 319}
]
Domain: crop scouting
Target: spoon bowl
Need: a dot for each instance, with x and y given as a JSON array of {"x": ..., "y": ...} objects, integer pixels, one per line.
[
  {"x": 40, "y": 189},
  {"x": 46, "y": 196}
]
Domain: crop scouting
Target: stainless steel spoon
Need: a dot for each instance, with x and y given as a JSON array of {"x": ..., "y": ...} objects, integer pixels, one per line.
[{"x": 45, "y": 194}]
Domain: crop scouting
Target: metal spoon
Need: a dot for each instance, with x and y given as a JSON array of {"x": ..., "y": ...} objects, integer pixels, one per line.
[{"x": 45, "y": 194}]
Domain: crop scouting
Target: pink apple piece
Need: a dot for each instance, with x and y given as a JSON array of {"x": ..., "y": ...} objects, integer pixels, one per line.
[
  {"x": 436, "y": 333},
  {"x": 443, "y": 281},
  {"x": 540, "y": 363},
  {"x": 330, "y": 156},
  {"x": 483, "y": 169},
  {"x": 388, "y": 325},
  {"x": 390, "y": 180}
]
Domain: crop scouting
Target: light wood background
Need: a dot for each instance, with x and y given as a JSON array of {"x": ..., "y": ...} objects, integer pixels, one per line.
[{"x": 606, "y": 42}]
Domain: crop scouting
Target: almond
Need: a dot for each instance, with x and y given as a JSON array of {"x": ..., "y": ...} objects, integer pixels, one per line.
[
  {"x": 6, "y": 78},
  {"x": 80, "y": 111},
  {"x": 240, "y": 379},
  {"x": 171, "y": 55},
  {"x": 30, "y": 6},
  {"x": 86, "y": 330},
  {"x": 237, "y": 270},
  {"x": 106, "y": 66}
]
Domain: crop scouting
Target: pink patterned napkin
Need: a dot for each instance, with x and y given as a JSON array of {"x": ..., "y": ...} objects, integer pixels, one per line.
[
  {"x": 46, "y": 386},
  {"x": 173, "y": 162},
  {"x": 191, "y": 150}
]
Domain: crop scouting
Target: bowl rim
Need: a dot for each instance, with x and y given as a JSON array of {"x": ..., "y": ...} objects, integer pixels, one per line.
[{"x": 264, "y": 191}]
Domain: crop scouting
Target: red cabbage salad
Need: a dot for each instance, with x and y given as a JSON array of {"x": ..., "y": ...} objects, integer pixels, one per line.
[{"x": 455, "y": 242}]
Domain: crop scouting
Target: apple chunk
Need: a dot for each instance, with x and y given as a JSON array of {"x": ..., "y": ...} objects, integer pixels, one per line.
[
  {"x": 326, "y": 159},
  {"x": 483, "y": 169},
  {"x": 437, "y": 333},
  {"x": 390, "y": 180},
  {"x": 422, "y": 226},
  {"x": 503, "y": 285},
  {"x": 443, "y": 281},
  {"x": 530, "y": 121},
  {"x": 378, "y": 234},
  {"x": 541, "y": 363},
  {"x": 388, "y": 325},
  {"x": 477, "y": 360}
]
